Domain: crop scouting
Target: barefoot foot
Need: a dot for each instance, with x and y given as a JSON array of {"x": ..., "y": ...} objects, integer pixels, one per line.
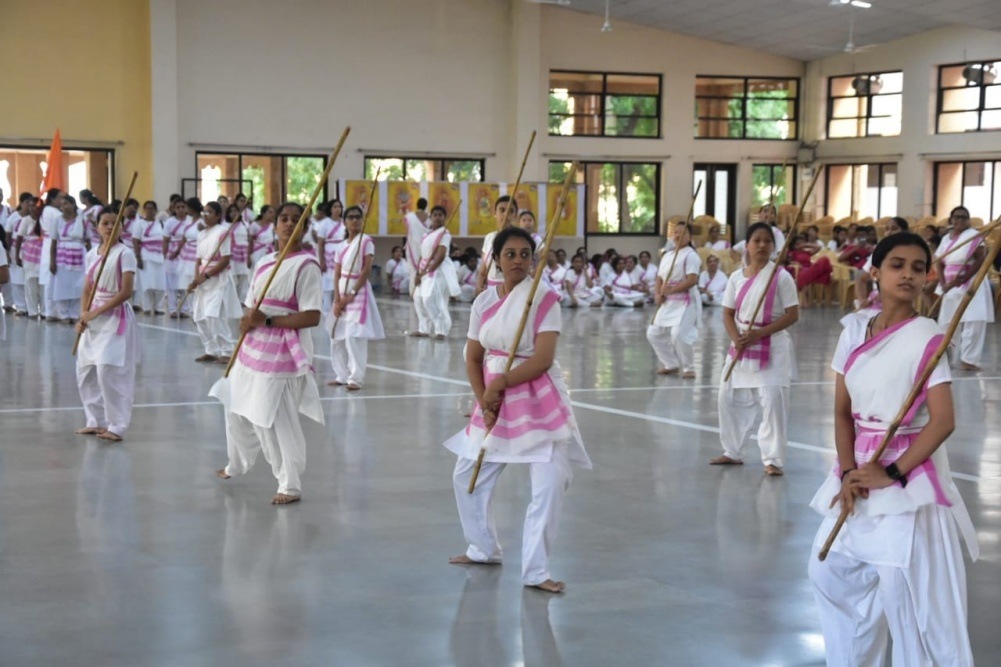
[
  {"x": 335, "y": 383},
  {"x": 549, "y": 586},
  {"x": 667, "y": 371},
  {"x": 109, "y": 436},
  {"x": 773, "y": 470},
  {"x": 89, "y": 430},
  {"x": 725, "y": 461},
  {"x": 463, "y": 559},
  {"x": 284, "y": 499},
  {"x": 221, "y": 474}
]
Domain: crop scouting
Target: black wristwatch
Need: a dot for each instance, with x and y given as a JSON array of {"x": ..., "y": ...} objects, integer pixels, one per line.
[
  {"x": 846, "y": 471},
  {"x": 268, "y": 322},
  {"x": 893, "y": 472}
]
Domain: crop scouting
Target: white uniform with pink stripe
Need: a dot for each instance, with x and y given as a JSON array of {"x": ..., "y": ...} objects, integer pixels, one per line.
[
  {"x": 360, "y": 322},
  {"x": 431, "y": 295},
  {"x": 577, "y": 284},
  {"x": 67, "y": 283},
  {"x": 215, "y": 302},
  {"x": 896, "y": 568},
  {"x": 981, "y": 309},
  {"x": 536, "y": 425},
  {"x": 149, "y": 235},
  {"x": 332, "y": 233},
  {"x": 764, "y": 373},
  {"x": 675, "y": 327},
  {"x": 272, "y": 380},
  {"x": 109, "y": 347}
]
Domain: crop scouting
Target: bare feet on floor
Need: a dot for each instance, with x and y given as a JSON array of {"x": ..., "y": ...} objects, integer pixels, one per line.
[
  {"x": 284, "y": 499},
  {"x": 109, "y": 436},
  {"x": 667, "y": 371},
  {"x": 418, "y": 334},
  {"x": 969, "y": 367},
  {"x": 773, "y": 470},
  {"x": 353, "y": 387},
  {"x": 725, "y": 460},
  {"x": 222, "y": 360},
  {"x": 463, "y": 559},
  {"x": 549, "y": 586},
  {"x": 205, "y": 357},
  {"x": 688, "y": 375},
  {"x": 89, "y": 430},
  {"x": 221, "y": 473},
  {"x": 440, "y": 337},
  {"x": 335, "y": 383}
]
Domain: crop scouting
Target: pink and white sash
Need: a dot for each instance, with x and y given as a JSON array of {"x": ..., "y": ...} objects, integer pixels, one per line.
[
  {"x": 189, "y": 251},
  {"x": 761, "y": 350},
  {"x": 426, "y": 261},
  {"x": 331, "y": 245},
  {"x": 950, "y": 271},
  {"x": 150, "y": 244},
  {"x": 70, "y": 250},
  {"x": 106, "y": 290}
]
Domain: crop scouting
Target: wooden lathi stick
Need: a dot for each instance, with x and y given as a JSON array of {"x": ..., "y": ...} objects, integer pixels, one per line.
[
  {"x": 299, "y": 226},
  {"x": 361, "y": 237},
  {"x": 507, "y": 206},
  {"x": 115, "y": 231},
  {"x": 677, "y": 249},
  {"x": 775, "y": 268},
  {"x": 218, "y": 247},
  {"x": 919, "y": 384},
  {"x": 550, "y": 234}
]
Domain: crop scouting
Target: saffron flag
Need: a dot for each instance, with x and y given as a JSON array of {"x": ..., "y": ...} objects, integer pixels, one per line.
[{"x": 54, "y": 160}]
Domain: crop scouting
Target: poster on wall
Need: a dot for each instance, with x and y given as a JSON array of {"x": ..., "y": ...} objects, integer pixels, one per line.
[
  {"x": 447, "y": 196},
  {"x": 480, "y": 208},
  {"x": 402, "y": 197},
  {"x": 356, "y": 193},
  {"x": 567, "y": 224},
  {"x": 527, "y": 198}
]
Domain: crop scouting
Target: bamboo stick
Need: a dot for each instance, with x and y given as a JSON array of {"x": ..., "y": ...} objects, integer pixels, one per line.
[
  {"x": 295, "y": 233},
  {"x": 677, "y": 249},
  {"x": 507, "y": 206},
  {"x": 361, "y": 237},
  {"x": 115, "y": 231},
  {"x": 550, "y": 233},
  {"x": 922, "y": 379},
  {"x": 775, "y": 267},
  {"x": 218, "y": 247}
]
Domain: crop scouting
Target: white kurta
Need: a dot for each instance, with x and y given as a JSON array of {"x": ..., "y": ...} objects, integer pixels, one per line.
[
  {"x": 149, "y": 233},
  {"x": 67, "y": 284},
  {"x": 714, "y": 286},
  {"x": 216, "y": 297},
  {"x": 431, "y": 295},
  {"x": 397, "y": 275},
  {"x": 981, "y": 308},
  {"x": 263, "y": 241},
  {"x": 576, "y": 283},
  {"x": 332, "y": 233},
  {"x": 494, "y": 275},
  {"x": 680, "y": 309},
  {"x": 896, "y": 567},
  {"x": 361, "y": 318}
]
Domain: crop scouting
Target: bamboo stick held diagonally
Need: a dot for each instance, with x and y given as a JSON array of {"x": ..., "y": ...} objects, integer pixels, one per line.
[
  {"x": 550, "y": 233},
  {"x": 361, "y": 237},
  {"x": 922, "y": 379},
  {"x": 507, "y": 206},
  {"x": 670, "y": 270},
  {"x": 775, "y": 269},
  {"x": 288, "y": 246},
  {"x": 115, "y": 231}
]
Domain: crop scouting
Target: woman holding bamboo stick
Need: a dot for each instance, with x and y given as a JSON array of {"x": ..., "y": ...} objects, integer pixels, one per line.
[
  {"x": 526, "y": 412},
  {"x": 214, "y": 294},
  {"x": 109, "y": 343},
  {"x": 896, "y": 569},
  {"x": 430, "y": 288},
  {"x": 355, "y": 315},
  {"x": 504, "y": 214},
  {"x": 957, "y": 270},
  {"x": 757, "y": 310},
  {"x": 272, "y": 380},
  {"x": 675, "y": 326}
]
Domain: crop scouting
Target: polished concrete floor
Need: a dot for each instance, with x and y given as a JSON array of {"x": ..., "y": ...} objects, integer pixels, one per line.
[{"x": 135, "y": 554}]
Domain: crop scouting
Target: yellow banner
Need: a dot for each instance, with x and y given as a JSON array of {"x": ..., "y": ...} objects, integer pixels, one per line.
[
  {"x": 446, "y": 195},
  {"x": 527, "y": 198},
  {"x": 402, "y": 196},
  {"x": 566, "y": 224},
  {"x": 357, "y": 194},
  {"x": 481, "y": 208}
]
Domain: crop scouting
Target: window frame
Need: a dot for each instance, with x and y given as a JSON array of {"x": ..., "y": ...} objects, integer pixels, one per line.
[
  {"x": 619, "y": 184},
  {"x": 851, "y": 165},
  {"x": 775, "y": 167},
  {"x": 604, "y": 95},
  {"x": 744, "y": 98},
  {"x": 112, "y": 166},
  {"x": 440, "y": 175},
  {"x": 981, "y": 108},
  {"x": 239, "y": 155},
  {"x": 995, "y": 164},
  {"x": 831, "y": 97}
]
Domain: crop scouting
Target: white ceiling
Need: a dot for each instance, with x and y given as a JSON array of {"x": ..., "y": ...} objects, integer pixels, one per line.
[{"x": 800, "y": 29}]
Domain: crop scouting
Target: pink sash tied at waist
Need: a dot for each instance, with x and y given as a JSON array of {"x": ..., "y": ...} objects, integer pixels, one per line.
[
  {"x": 685, "y": 296},
  {"x": 760, "y": 351},
  {"x": 275, "y": 350}
]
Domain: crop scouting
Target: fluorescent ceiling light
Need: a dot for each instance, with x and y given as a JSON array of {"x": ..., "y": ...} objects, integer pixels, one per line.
[{"x": 861, "y": 4}]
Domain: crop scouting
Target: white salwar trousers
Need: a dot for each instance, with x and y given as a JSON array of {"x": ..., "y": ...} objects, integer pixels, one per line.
[
  {"x": 217, "y": 337},
  {"x": 175, "y": 292},
  {"x": 283, "y": 444},
  {"x": 67, "y": 309},
  {"x": 738, "y": 409},
  {"x": 34, "y": 295},
  {"x": 432, "y": 310},
  {"x": 921, "y": 606},
  {"x": 107, "y": 395},
  {"x": 152, "y": 300},
  {"x": 241, "y": 281},
  {"x": 669, "y": 345},
  {"x": 349, "y": 357},
  {"x": 550, "y": 482},
  {"x": 971, "y": 342}
]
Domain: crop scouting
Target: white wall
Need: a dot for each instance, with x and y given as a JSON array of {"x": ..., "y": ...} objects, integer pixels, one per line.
[{"x": 918, "y": 146}]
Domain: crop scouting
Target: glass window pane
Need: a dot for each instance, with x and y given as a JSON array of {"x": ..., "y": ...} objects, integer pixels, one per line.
[
  {"x": 885, "y": 127},
  {"x": 763, "y": 129},
  {"x": 893, "y": 82},
  {"x": 630, "y": 126},
  {"x": 841, "y": 86},
  {"x": 641, "y": 198},
  {"x": 628, "y": 84},
  {"x": 421, "y": 170},
  {"x": 464, "y": 170},
  {"x": 840, "y": 129},
  {"x": 390, "y": 169},
  {"x": 718, "y": 87},
  {"x": 966, "y": 121},
  {"x": 302, "y": 174},
  {"x": 992, "y": 97},
  {"x": 978, "y": 188},
  {"x": 961, "y": 100},
  {"x": 886, "y": 105},
  {"x": 949, "y": 186},
  {"x": 990, "y": 120},
  {"x": 770, "y": 109},
  {"x": 576, "y": 81},
  {"x": 776, "y": 88},
  {"x": 602, "y": 197},
  {"x": 839, "y": 191},
  {"x": 620, "y": 105},
  {"x": 558, "y": 171},
  {"x": 849, "y": 107},
  {"x": 952, "y": 76},
  {"x": 265, "y": 172},
  {"x": 219, "y": 175}
]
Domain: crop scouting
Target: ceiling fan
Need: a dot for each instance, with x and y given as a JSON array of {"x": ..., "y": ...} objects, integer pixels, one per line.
[
  {"x": 561, "y": 3},
  {"x": 850, "y": 46}
]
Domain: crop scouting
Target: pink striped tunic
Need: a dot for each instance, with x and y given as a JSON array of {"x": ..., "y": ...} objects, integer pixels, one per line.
[
  {"x": 535, "y": 415},
  {"x": 31, "y": 246},
  {"x": 109, "y": 339},
  {"x": 70, "y": 249}
]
